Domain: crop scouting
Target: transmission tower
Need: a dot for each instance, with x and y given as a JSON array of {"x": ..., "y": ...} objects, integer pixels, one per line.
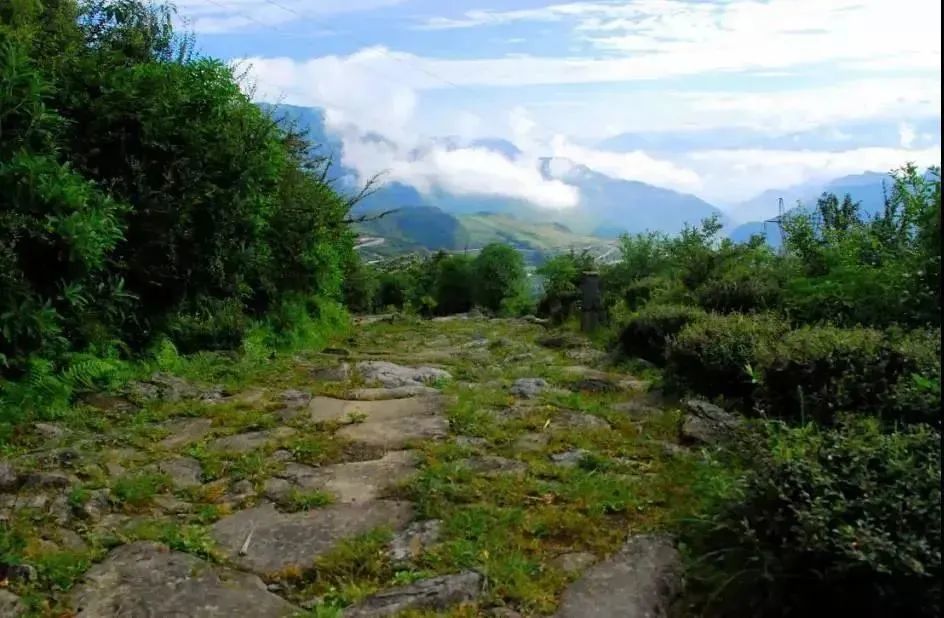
[{"x": 778, "y": 220}]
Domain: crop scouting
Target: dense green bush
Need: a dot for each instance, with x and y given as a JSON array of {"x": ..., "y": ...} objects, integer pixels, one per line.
[
  {"x": 741, "y": 291},
  {"x": 916, "y": 395},
  {"x": 647, "y": 334},
  {"x": 562, "y": 275},
  {"x": 819, "y": 371},
  {"x": 361, "y": 287},
  {"x": 141, "y": 191},
  {"x": 454, "y": 284},
  {"x": 499, "y": 278},
  {"x": 716, "y": 354},
  {"x": 216, "y": 325},
  {"x": 640, "y": 292},
  {"x": 840, "y": 522}
]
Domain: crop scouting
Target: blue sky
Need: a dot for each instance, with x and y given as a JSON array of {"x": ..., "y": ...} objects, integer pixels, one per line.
[{"x": 811, "y": 88}]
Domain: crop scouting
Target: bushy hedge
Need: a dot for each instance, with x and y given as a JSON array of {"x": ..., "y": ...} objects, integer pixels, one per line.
[
  {"x": 741, "y": 292},
  {"x": 647, "y": 334},
  {"x": 143, "y": 193},
  {"x": 835, "y": 522},
  {"x": 716, "y": 354},
  {"x": 819, "y": 371}
]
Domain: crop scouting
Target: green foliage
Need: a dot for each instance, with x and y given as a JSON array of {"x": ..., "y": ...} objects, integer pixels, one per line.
[
  {"x": 119, "y": 226},
  {"x": 361, "y": 287},
  {"x": 844, "y": 521},
  {"x": 873, "y": 273},
  {"x": 648, "y": 289},
  {"x": 562, "y": 275},
  {"x": 216, "y": 325},
  {"x": 137, "y": 490},
  {"x": 712, "y": 355},
  {"x": 499, "y": 276},
  {"x": 820, "y": 371},
  {"x": 647, "y": 334}
]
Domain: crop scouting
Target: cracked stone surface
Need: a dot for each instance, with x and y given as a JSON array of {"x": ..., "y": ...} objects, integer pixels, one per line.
[
  {"x": 639, "y": 580},
  {"x": 184, "y": 472},
  {"x": 250, "y": 441},
  {"x": 437, "y": 593},
  {"x": 574, "y": 562},
  {"x": 144, "y": 580},
  {"x": 531, "y": 442},
  {"x": 397, "y": 392},
  {"x": 392, "y": 423},
  {"x": 185, "y": 431},
  {"x": 10, "y": 605},
  {"x": 392, "y": 375},
  {"x": 355, "y": 482},
  {"x": 569, "y": 459},
  {"x": 281, "y": 540},
  {"x": 414, "y": 540},
  {"x": 528, "y": 387}
]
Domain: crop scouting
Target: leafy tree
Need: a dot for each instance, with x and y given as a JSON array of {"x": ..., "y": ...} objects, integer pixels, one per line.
[
  {"x": 562, "y": 275},
  {"x": 499, "y": 276}
]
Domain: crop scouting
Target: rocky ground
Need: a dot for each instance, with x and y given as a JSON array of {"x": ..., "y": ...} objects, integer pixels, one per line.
[{"x": 461, "y": 467}]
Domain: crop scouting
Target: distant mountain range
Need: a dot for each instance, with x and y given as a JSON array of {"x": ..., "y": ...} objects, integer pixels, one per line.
[
  {"x": 868, "y": 189},
  {"x": 608, "y": 206},
  {"x": 843, "y": 136}
]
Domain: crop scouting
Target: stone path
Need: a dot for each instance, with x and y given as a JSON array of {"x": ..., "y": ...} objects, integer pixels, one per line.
[{"x": 271, "y": 480}]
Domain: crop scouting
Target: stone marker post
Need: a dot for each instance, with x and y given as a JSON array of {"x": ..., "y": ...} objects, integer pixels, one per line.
[{"x": 593, "y": 314}]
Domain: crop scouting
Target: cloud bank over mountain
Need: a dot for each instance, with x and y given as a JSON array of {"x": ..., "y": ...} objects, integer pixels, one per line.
[{"x": 811, "y": 89}]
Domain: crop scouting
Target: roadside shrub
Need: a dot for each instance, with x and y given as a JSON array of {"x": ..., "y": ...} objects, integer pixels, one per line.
[
  {"x": 361, "y": 286},
  {"x": 916, "y": 395},
  {"x": 646, "y": 335},
  {"x": 499, "y": 276},
  {"x": 214, "y": 325},
  {"x": 715, "y": 355},
  {"x": 819, "y": 371},
  {"x": 640, "y": 292},
  {"x": 828, "y": 522},
  {"x": 562, "y": 275},
  {"x": 454, "y": 284},
  {"x": 741, "y": 292}
]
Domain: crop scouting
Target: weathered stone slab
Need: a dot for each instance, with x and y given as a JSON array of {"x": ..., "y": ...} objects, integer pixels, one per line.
[
  {"x": 358, "y": 481},
  {"x": 438, "y": 593},
  {"x": 639, "y": 581},
  {"x": 185, "y": 431},
  {"x": 413, "y": 541},
  {"x": 184, "y": 472},
  {"x": 250, "y": 441},
  {"x": 142, "y": 580},
  {"x": 392, "y": 375},
  {"x": 397, "y": 392},
  {"x": 706, "y": 423},
  {"x": 277, "y": 541},
  {"x": 392, "y": 423}
]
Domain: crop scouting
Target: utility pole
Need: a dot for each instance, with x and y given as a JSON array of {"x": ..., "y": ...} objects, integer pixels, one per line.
[{"x": 779, "y": 221}]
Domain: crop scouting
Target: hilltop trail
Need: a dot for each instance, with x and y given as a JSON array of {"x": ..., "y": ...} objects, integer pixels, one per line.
[{"x": 460, "y": 467}]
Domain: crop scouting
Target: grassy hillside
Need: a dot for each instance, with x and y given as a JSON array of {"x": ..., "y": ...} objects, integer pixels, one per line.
[
  {"x": 483, "y": 228},
  {"x": 420, "y": 230}
]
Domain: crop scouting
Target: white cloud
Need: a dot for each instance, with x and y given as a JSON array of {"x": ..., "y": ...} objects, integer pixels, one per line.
[
  {"x": 657, "y": 38},
  {"x": 906, "y": 135},
  {"x": 460, "y": 171},
  {"x": 376, "y": 121},
  {"x": 734, "y": 175},
  {"x": 627, "y": 165}
]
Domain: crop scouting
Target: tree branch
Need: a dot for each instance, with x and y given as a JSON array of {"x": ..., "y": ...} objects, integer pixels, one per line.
[{"x": 369, "y": 217}]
